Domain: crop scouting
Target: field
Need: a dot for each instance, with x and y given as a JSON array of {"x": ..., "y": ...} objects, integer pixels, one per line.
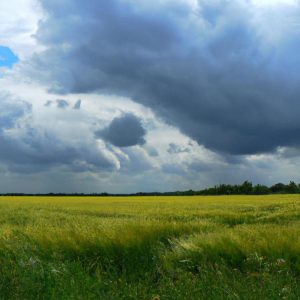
[{"x": 228, "y": 247}]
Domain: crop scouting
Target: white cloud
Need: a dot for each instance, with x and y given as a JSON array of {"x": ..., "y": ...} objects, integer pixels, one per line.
[{"x": 18, "y": 22}]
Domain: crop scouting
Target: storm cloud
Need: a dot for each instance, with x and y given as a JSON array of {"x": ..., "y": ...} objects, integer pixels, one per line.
[
  {"x": 226, "y": 73},
  {"x": 123, "y": 131}
]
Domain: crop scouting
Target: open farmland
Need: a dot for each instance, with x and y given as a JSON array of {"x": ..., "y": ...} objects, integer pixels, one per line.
[{"x": 237, "y": 247}]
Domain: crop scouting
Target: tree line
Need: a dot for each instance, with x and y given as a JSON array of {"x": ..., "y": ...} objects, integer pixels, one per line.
[{"x": 246, "y": 188}]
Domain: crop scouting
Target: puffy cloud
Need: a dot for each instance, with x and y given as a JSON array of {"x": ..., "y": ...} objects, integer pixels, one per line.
[
  {"x": 11, "y": 111},
  {"x": 56, "y": 149},
  {"x": 18, "y": 23},
  {"x": 225, "y": 72},
  {"x": 124, "y": 131},
  {"x": 28, "y": 147},
  {"x": 152, "y": 151}
]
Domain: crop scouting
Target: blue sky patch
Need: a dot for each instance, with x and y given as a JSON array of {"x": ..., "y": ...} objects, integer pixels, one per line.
[{"x": 7, "y": 57}]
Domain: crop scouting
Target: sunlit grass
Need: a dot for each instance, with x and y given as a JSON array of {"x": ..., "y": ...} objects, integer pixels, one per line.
[{"x": 229, "y": 247}]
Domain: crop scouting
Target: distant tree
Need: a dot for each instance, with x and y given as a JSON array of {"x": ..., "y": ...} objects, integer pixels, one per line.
[
  {"x": 278, "y": 188},
  {"x": 246, "y": 188},
  {"x": 292, "y": 188},
  {"x": 260, "y": 190}
]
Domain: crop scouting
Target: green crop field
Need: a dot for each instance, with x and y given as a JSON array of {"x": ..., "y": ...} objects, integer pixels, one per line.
[{"x": 226, "y": 247}]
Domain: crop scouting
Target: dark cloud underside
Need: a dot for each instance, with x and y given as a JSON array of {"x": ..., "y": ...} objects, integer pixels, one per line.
[{"x": 223, "y": 72}]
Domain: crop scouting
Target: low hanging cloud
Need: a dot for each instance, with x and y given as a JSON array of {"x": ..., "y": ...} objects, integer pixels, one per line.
[
  {"x": 48, "y": 103},
  {"x": 124, "y": 131},
  {"x": 77, "y": 105},
  {"x": 226, "y": 73},
  {"x": 60, "y": 103},
  {"x": 176, "y": 149},
  {"x": 28, "y": 147}
]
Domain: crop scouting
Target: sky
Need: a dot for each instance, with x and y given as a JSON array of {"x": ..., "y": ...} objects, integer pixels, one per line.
[
  {"x": 127, "y": 96},
  {"x": 7, "y": 57}
]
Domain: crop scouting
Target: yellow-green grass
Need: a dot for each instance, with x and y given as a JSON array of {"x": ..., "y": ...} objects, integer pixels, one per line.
[{"x": 223, "y": 247}]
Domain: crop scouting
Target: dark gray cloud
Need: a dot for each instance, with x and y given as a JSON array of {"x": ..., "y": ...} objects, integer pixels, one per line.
[
  {"x": 152, "y": 152},
  {"x": 60, "y": 103},
  {"x": 48, "y": 103},
  {"x": 77, "y": 105},
  {"x": 175, "y": 149},
  {"x": 124, "y": 131},
  {"x": 289, "y": 153},
  {"x": 223, "y": 72}
]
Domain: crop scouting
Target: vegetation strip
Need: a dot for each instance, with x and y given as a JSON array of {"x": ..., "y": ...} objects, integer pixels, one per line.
[{"x": 228, "y": 247}]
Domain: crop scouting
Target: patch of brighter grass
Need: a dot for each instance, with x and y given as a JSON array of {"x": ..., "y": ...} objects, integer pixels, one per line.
[{"x": 231, "y": 247}]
